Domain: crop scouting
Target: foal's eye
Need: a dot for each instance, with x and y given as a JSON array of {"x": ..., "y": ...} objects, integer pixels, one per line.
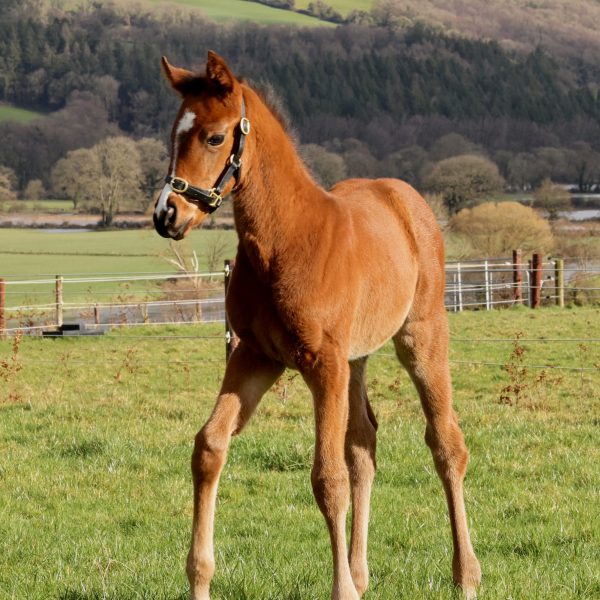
[{"x": 216, "y": 140}]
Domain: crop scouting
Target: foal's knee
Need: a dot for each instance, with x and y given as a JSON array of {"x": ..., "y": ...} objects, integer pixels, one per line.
[
  {"x": 330, "y": 488},
  {"x": 448, "y": 448},
  {"x": 208, "y": 458}
]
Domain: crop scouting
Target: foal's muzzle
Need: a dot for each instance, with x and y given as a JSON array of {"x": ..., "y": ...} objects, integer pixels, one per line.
[{"x": 165, "y": 222}]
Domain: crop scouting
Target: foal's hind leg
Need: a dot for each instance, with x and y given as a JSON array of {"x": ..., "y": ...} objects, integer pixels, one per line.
[
  {"x": 360, "y": 458},
  {"x": 247, "y": 377},
  {"x": 422, "y": 346}
]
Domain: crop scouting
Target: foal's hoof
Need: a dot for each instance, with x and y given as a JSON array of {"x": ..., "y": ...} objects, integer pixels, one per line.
[{"x": 467, "y": 576}]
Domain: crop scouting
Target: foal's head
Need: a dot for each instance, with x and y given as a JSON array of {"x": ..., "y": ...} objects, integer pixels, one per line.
[{"x": 207, "y": 140}]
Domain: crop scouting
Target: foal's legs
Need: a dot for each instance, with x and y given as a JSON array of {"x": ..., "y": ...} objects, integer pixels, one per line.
[
  {"x": 328, "y": 381},
  {"x": 422, "y": 346},
  {"x": 247, "y": 377},
  {"x": 360, "y": 457}
]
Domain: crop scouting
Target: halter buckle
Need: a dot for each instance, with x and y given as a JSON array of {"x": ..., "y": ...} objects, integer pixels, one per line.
[
  {"x": 245, "y": 125},
  {"x": 179, "y": 185},
  {"x": 216, "y": 198}
]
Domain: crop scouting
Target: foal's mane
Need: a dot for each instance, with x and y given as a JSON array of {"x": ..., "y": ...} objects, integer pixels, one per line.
[{"x": 198, "y": 83}]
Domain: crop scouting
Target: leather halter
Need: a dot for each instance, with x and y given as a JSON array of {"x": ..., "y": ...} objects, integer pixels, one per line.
[{"x": 211, "y": 199}]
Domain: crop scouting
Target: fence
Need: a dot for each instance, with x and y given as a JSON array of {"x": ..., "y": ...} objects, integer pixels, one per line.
[{"x": 89, "y": 304}]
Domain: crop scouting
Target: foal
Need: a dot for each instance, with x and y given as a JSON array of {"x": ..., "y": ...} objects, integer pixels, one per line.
[{"x": 322, "y": 280}]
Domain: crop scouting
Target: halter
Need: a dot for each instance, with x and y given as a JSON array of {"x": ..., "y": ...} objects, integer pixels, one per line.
[{"x": 212, "y": 198}]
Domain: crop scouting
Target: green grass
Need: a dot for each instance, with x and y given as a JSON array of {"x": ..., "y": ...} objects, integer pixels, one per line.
[
  {"x": 342, "y": 6},
  {"x": 241, "y": 10},
  {"x": 96, "y": 434},
  {"x": 51, "y": 206},
  {"x": 19, "y": 115}
]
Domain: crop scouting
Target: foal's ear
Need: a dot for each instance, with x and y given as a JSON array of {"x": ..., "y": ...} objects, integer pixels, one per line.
[
  {"x": 219, "y": 73},
  {"x": 176, "y": 76}
]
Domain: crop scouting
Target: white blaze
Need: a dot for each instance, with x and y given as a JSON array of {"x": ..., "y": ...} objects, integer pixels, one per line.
[{"x": 185, "y": 124}]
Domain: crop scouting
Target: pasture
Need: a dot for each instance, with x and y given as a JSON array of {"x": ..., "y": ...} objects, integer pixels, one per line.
[
  {"x": 242, "y": 10},
  {"x": 19, "y": 115},
  {"x": 96, "y": 435}
]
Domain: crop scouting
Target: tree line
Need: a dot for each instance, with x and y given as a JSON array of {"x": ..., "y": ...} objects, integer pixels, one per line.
[{"x": 365, "y": 101}]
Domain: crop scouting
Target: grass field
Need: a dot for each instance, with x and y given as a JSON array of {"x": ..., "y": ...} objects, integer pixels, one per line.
[
  {"x": 96, "y": 433},
  {"x": 241, "y": 10},
  {"x": 19, "y": 115},
  {"x": 38, "y": 206}
]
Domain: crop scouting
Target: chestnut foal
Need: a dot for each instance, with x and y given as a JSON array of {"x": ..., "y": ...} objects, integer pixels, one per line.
[{"x": 322, "y": 280}]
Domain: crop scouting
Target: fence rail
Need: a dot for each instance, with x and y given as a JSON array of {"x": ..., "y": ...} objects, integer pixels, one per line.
[{"x": 87, "y": 303}]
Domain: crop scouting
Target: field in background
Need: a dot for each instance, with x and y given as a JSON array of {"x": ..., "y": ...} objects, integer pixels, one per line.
[
  {"x": 241, "y": 10},
  {"x": 19, "y": 115},
  {"x": 96, "y": 434},
  {"x": 29, "y": 252}
]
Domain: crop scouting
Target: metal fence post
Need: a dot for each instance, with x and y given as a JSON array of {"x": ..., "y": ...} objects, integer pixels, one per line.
[
  {"x": 231, "y": 340},
  {"x": 518, "y": 275},
  {"x": 2, "y": 308},
  {"x": 59, "y": 300},
  {"x": 486, "y": 276},
  {"x": 559, "y": 282},
  {"x": 536, "y": 280},
  {"x": 459, "y": 287}
]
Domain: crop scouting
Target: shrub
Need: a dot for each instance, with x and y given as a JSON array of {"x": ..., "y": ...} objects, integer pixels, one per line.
[{"x": 496, "y": 228}]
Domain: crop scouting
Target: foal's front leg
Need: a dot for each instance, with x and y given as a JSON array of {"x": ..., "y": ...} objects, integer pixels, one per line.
[
  {"x": 247, "y": 377},
  {"x": 328, "y": 381}
]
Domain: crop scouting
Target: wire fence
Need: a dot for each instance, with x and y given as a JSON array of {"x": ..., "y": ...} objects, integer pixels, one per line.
[{"x": 89, "y": 304}]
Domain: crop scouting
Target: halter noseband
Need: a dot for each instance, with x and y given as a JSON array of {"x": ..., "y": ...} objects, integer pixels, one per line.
[{"x": 212, "y": 198}]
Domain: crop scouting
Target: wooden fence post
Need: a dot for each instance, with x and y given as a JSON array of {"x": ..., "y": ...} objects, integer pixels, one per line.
[
  {"x": 59, "y": 300},
  {"x": 2, "y": 308},
  {"x": 231, "y": 340},
  {"x": 518, "y": 275},
  {"x": 536, "y": 280},
  {"x": 559, "y": 282}
]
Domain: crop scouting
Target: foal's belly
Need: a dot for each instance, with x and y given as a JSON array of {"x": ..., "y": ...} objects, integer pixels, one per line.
[{"x": 372, "y": 332}]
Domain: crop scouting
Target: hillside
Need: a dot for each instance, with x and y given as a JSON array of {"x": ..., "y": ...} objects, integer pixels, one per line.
[{"x": 384, "y": 98}]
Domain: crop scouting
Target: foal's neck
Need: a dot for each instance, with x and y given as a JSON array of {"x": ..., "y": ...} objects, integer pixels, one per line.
[{"x": 277, "y": 196}]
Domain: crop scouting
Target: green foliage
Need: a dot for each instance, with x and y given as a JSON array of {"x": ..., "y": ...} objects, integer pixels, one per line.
[{"x": 96, "y": 499}]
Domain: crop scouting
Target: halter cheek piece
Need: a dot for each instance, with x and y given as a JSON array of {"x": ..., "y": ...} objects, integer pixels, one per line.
[{"x": 211, "y": 199}]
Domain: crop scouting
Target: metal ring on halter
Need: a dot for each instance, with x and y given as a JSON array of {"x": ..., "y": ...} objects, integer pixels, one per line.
[
  {"x": 179, "y": 185},
  {"x": 245, "y": 126}
]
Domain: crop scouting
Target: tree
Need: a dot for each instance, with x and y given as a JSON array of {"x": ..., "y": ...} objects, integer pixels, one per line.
[
  {"x": 105, "y": 177},
  {"x": 72, "y": 177},
  {"x": 327, "y": 167},
  {"x": 552, "y": 198},
  {"x": 496, "y": 228},
  {"x": 34, "y": 190},
  {"x": 154, "y": 162},
  {"x": 463, "y": 179},
  {"x": 452, "y": 144},
  {"x": 7, "y": 194},
  {"x": 118, "y": 176}
]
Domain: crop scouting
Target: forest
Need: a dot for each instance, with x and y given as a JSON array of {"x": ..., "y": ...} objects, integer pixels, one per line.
[{"x": 365, "y": 100}]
